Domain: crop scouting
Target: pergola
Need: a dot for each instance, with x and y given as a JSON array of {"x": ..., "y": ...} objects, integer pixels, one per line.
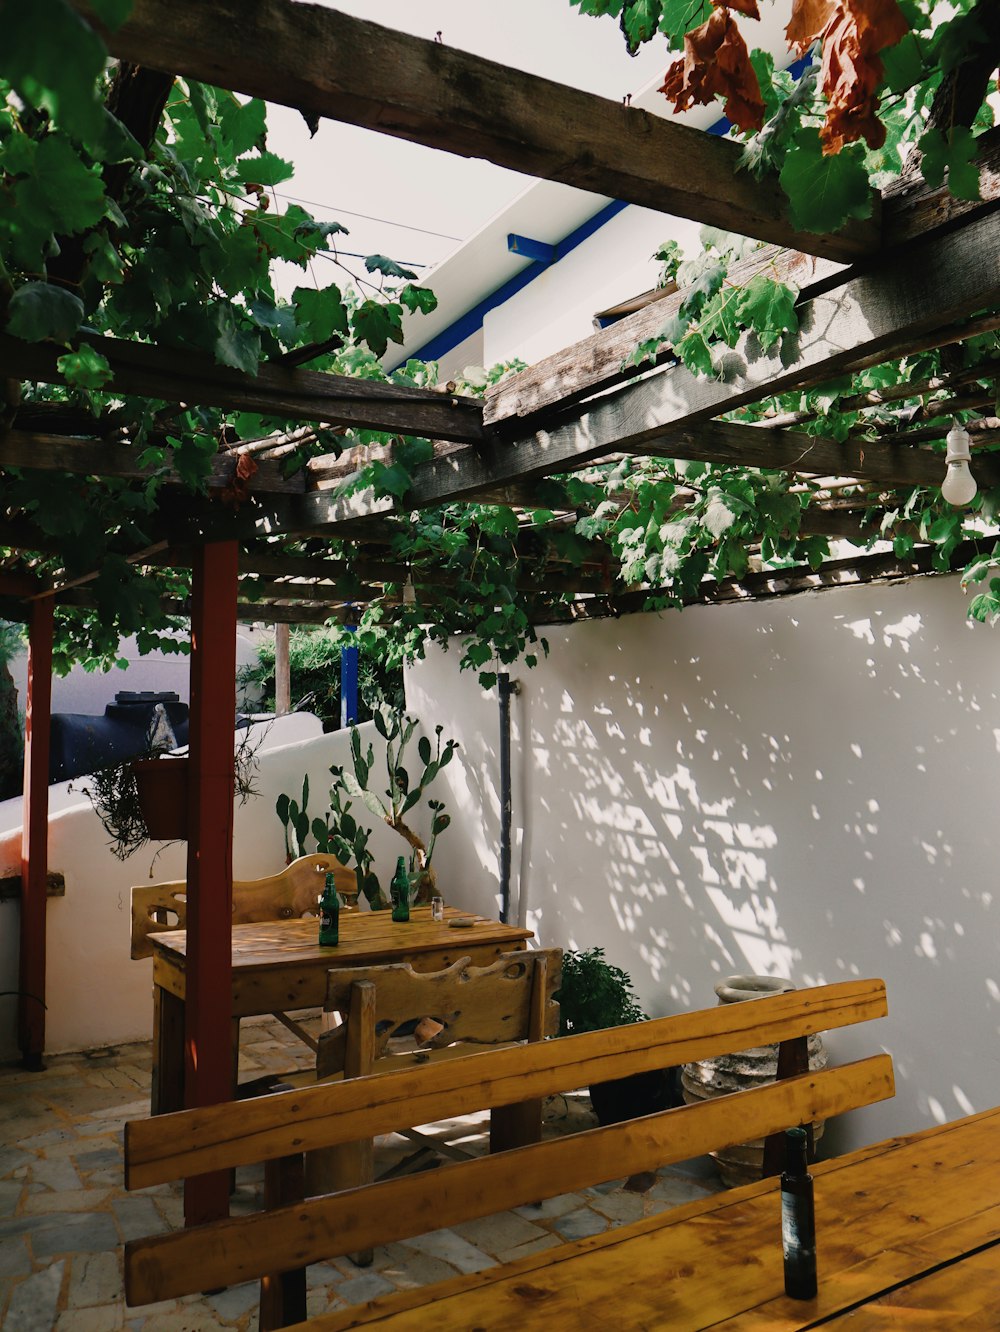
[{"x": 923, "y": 273}]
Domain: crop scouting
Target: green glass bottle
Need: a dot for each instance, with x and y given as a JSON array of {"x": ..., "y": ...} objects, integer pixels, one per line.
[
  {"x": 798, "y": 1222},
  {"x": 329, "y": 914},
  {"x": 399, "y": 891}
]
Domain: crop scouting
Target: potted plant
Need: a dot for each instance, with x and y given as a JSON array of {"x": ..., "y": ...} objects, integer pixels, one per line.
[
  {"x": 146, "y": 798},
  {"x": 340, "y": 834},
  {"x": 595, "y": 995}
]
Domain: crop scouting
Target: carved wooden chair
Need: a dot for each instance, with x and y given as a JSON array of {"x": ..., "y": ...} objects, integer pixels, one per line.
[
  {"x": 473, "y": 1009},
  {"x": 289, "y": 894}
]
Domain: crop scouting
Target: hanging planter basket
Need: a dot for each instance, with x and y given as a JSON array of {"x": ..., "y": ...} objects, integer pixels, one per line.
[{"x": 162, "y": 786}]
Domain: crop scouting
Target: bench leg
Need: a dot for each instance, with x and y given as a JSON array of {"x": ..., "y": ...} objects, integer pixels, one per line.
[
  {"x": 331, "y": 1169},
  {"x": 283, "y": 1294}
]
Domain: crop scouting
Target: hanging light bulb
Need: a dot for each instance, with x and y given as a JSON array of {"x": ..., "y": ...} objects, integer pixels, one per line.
[
  {"x": 410, "y": 592},
  {"x": 959, "y": 485}
]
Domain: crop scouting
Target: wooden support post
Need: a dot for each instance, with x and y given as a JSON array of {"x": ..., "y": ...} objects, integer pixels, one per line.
[
  {"x": 282, "y": 671},
  {"x": 208, "y": 983},
  {"x": 35, "y": 835}
]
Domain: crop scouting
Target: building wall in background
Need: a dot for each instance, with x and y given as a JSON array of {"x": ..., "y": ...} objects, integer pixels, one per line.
[{"x": 802, "y": 787}]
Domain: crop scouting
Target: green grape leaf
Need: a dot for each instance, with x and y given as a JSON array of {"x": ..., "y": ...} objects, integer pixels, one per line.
[
  {"x": 695, "y": 353},
  {"x": 54, "y": 58},
  {"x": 319, "y": 314},
  {"x": 235, "y": 346},
  {"x": 378, "y": 263},
  {"x": 416, "y": 299},
  {"x": 243, "y": 124},
  {"x": 38, "y": 311},
  {"x": 264, "y": 169},
  {"x": 639, "y": 22},
  {"x": 954, "y": 155},
  {"x": 66, "y": 194},
  {"x": 768, "y": 307},
  {"x": 377, "y": 324},
  {"x": 86, "y": 368},
  {"x": 823, "y": 192}
]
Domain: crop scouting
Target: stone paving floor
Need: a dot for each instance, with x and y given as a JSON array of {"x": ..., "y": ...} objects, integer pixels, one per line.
[{"x": 64, "y": 1213}]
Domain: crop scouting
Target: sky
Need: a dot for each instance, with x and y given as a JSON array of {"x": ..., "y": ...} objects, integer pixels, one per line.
[{"x": 419, "y": 203}]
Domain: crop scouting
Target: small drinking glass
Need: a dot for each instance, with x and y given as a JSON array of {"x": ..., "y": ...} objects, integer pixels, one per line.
[{"x": 437, "y": 908}]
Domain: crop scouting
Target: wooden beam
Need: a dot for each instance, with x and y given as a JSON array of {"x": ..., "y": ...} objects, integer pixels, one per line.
[
  {"x": 328, "y": 63},
  {"x": 307, "y": 395},
  {"x": 912, "y": 211},
  {"x": 35, "y": 837},
  {"x": 93, "y": 457},
  {"x": 866, "y": 321},
  {"x": 729, "y": 442}
]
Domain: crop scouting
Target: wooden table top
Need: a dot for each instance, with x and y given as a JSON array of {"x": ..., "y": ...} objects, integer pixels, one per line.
[
  {"x": 365, "y": 936},
  {"x": 907, "y": 1234}
]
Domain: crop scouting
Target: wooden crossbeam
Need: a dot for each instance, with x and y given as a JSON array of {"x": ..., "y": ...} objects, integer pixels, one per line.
[
  {"x": 308, "y": 395},
  {"x": 93, "y": 457},
  {"x": 867, "y": 320},
  {"x": 328, "y": 63},
  {"x": 757, "y": 446}
]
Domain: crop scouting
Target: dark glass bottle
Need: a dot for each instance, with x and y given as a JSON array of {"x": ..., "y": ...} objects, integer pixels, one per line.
[
  {"x": 329, "y": 914},
  {"x": 798, "y": 1221},
  {"x": 399, "y": 891}
]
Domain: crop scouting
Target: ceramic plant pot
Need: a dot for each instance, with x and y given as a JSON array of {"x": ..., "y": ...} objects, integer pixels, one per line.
[{"x": 708, "y": 1078}]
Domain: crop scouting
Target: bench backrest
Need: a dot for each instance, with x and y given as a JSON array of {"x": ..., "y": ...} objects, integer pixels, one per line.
[
  {"x": 289, "y": 893},
  {"x": 213, "y": 1138}
]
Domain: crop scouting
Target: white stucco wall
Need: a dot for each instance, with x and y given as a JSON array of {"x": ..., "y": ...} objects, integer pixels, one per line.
[
  {"x": 803, "y": 787},
  {"x": 558, "y": 307},
  {"x": 96, "y": 995}
]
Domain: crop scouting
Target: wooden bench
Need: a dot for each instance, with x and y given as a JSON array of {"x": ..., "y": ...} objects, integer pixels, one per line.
[{"x": 289, "y": 1233}]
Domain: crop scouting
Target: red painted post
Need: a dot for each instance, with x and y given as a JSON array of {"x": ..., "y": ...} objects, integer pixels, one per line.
[
  {"x": 208, "y": 984},
  {"x": 35, "y": 835}
]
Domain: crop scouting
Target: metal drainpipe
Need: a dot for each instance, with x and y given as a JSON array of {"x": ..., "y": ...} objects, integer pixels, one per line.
[{"x": 505, "y": 687}]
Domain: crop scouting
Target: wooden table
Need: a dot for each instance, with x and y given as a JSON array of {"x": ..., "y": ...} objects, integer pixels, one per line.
[
  {"x": 908, "y": 1236},
  {"x": 278, "y": 966}
]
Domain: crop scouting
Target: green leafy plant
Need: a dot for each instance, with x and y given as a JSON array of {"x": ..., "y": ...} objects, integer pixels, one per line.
[
  {"x": 594, "y": 994},
  {"x": 314, "y": 657},
  {"x": 295, "y": 821},
  {"x": 338, "y": 831}
]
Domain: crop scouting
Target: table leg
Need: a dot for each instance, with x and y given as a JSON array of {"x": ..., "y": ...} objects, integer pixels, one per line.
[{"x": 168, "y": 1052}]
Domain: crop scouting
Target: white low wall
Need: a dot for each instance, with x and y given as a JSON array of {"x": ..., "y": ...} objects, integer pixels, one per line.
[
  {"x": 96, "y": 995},
  {"x": 802, "y": 787}
]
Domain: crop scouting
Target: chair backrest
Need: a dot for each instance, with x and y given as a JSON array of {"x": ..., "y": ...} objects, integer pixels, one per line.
[
  {"x": 509, "y": 1000},
  {"x": 291, "y": 892}
]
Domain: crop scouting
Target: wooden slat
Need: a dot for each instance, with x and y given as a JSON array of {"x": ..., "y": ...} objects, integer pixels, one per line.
[
  {"x": 167, "y": 1148},
  {"x": 308, "y": 395},
  {"x": 166, "y": 1266},
  {"x": 717, "y": 1262},
  {"x": 92, "y": 457},
  {"x": 737, "y": 445},
  {"x": 318, "y": 60},
  {"x": 911, "y": 210},
  {"x": 862, "y": 323}
]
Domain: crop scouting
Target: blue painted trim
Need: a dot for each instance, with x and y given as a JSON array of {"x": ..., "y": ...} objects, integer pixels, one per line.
[
  {"x": 465, "y": 325},
  {"x": 349, "y": 683},
  {"x": 472, "y": 320},
  {"x": 529, "y": 248}
]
